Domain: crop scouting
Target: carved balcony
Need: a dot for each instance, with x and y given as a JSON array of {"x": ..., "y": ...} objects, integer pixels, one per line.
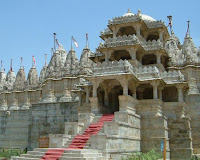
[
  {"x": 152, "y": 45},
  {"x": 147, "y": 73},
  {"x": 172, "y": 77},
  {"x": 120, "y": 41},
  {"x": 112, "y": 68}
]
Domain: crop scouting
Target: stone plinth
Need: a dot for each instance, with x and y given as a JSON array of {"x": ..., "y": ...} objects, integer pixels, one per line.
[
  {"x": 153, "y": 125},
  {"x": 180, "y": 138},
  {"x": 94, "y": 105},
  {"x": 58, "y": 140},
  {"x": 127, "y": 104},
  {"x": 149, "y": 107}
]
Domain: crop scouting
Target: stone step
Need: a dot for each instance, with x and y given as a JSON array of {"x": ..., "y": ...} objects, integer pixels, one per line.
[{"x": 78, "y": 158}]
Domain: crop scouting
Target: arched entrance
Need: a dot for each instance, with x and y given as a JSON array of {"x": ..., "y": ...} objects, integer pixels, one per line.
[{"x": 108, "y": 96}]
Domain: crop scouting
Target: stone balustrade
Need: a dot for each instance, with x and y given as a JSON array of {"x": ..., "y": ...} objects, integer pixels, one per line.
[
  {"x": 131, "y": 40},
  {"x": 107, "y": 31},
  {"x": 120, "y": 41},
  {"x": 147, "y": 73},
  {"x": 172, "y": 77},
  {"x": 153, "y": 24},
  {"x": 134, "y": 18},
  {"x": 152, "y": 45},
  {"x": 112, "y": 67},
  {"x": 124, "y": 19}
]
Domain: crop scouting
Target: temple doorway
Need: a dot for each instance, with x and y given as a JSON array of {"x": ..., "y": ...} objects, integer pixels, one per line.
[{"x": 108, "y": 96}]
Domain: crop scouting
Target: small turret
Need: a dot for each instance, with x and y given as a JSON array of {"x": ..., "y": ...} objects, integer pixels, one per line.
[
  {"x": 56, "y": 64},
  {"x": 2, "y": 77},
  {"x": 85, "y": 62},
  {"x": 189, "y": 50},
  {"x": 43, "y": 71},
  {"x": 72, "y": 63},
  {"x": 10, "y": 78},
  {"x": 32, "y": 80},
  {"x": 20, "y": 78}
]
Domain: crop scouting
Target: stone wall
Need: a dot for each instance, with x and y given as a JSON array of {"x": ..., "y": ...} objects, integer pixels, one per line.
[
  {"x": 14, "y": 129},
  {"x": 49, "y": 118}
]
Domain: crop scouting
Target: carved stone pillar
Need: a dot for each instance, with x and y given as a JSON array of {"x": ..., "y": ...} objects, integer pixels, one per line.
[
  {"x": 180, "y": 93},
  {"x": 107, "y": 55},
  {"x": 137, "y": 29},
  {"x": 80, "y": 99},
  {"x": 132, "y": 52},
  {"x": 158, "y": 57},
  {"x": 124, "y": 82},
  {"x": 140, "y": 95},
  {"x": 115, "y": 30},
  {"x": 87, "y": 89},
  {"x": 161, "y": 35},
  {"x": 160, "y": 92},
  {"x": 155, "y": 89},
  {"x": 106, "y": 97},
  {"x": 134, "y": 92},
  {"x": 26, "y": 103}
]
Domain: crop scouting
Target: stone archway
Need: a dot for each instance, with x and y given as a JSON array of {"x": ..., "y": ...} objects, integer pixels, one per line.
[{"x": 108, "y": 96}]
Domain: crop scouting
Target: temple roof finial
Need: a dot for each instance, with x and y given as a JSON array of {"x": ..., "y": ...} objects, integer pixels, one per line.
[
  {"x": 21, "y": 64},
  {"x": 129, "y": 11},
  {"x": 11, "y": 68},
  {"x": 188, "y": 29},
  {"x": 139, "y": 11},
  {"x": 45, "y": 64},
  {"x": 2, "y": 69},
  {"x": 33, "y": 62}
]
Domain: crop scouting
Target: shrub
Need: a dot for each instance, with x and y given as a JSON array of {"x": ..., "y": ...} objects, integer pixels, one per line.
[
  {"x": 151, "y": 155},
  {"x": 7, "y": 153}
]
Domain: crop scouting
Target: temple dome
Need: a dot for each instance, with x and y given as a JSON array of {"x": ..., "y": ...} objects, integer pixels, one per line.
[
  {"x": 147, "y": 18},
  {"x": 142, "y": 16}
]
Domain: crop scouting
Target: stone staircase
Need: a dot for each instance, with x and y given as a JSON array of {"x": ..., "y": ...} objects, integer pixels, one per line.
[
  {"x": 61, "y": 154},
  {"x": 75, "y": 148},
  {"x": 88, "y": 144}
]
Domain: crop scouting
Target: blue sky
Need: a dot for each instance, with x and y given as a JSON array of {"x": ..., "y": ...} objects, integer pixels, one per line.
[{"x": 27, "y": 26}]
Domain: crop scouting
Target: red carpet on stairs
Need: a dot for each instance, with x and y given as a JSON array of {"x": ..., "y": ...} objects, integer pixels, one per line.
[{"x": 79, "y": 141}]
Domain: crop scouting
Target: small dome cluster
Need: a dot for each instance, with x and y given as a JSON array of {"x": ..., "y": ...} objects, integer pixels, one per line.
[{"x": 60, "y": 65}]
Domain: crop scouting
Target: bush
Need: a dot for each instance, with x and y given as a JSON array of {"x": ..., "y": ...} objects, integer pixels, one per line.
[
  {"x": 7, "y": 153},
  {"x": 151, "y": 155}
]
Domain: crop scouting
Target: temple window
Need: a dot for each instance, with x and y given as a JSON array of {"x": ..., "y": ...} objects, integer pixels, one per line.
[
  {"x": 149, "y": 59},
  {"x": 152, "y": 37},
  {"x": 144, "y": 91},
  {"x": 120, "y": 54},
  {"x": 170, "y": 94},
  {"x": 126, "y": 31}
]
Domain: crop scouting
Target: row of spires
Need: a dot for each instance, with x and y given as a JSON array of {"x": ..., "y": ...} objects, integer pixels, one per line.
[{"x": 61, "y": 64}]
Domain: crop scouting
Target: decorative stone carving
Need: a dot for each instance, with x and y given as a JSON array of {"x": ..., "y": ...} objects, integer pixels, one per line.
[
  {"x": 67, "y": 97},
  {"x": 193, "y": 89}
]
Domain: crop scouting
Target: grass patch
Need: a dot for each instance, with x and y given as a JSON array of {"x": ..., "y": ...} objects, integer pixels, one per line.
[
  {"x": 151, "y": 155},
  {"x": 7, "y": 153}
]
